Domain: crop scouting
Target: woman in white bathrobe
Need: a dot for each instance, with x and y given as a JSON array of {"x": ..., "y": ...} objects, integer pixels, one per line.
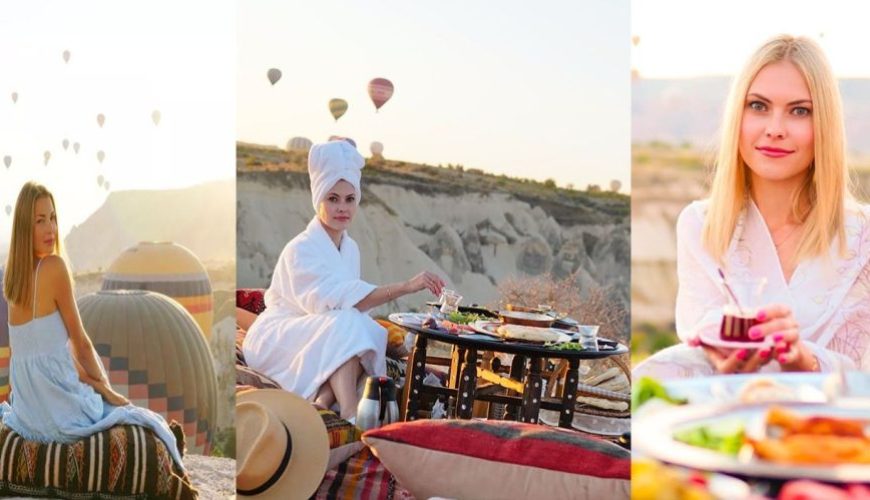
[
  {"x": 779, "y": 209},
  {"x": 314, "y": 338}
]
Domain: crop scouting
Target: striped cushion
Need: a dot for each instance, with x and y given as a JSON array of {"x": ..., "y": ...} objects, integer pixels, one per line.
[
  {"x": 493, "y": 459},
  {"x": 126, "y": 461},
  {"x": 248, "y": 376}
]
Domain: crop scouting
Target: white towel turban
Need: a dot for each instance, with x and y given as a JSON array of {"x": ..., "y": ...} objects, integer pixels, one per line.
[{"x": 331, "y": 162}]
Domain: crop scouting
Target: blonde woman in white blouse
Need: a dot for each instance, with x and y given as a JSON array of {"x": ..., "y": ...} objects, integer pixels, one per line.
[{"x": 779, "y": 209}]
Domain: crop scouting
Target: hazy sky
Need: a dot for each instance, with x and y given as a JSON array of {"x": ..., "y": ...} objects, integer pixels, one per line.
[
  {"x": 685, "y": 38},
  {"x": 127, "y": 59},
  {"x": 537, "y": 90}
]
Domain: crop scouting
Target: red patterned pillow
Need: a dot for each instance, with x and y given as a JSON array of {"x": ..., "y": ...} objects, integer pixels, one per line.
[
  {"x": 494, "y": 459},
  {"x": 251, "y": 299}
]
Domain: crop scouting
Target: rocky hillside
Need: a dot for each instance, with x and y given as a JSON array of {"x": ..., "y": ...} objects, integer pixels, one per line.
[
  {"x": 473, "y": 228},
  {"x": 200, "y": 217}
]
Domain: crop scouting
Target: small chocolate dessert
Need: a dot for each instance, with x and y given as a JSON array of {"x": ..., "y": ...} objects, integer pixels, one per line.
[{"x": 736, "y": 329}]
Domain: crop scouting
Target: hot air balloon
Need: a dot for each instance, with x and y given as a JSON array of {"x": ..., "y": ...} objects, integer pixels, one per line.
[
  {"x": 167, "y": 268},
  {"x": 299, "y": 144},
  {"x": 14, "y": 97},
  {"x": 76, "y": 147},
  {"x": 155, "y": 356},
  {"x": 47, "y": 156},
  {"x": 65, "y": 144},
  {"x": 66, "y": 55},
  {"x": 100, "y": 180},
  {"x": 101, "y": 156},
  {"x": 106, "y": 185},
  {"x": 274, "y": 75},
  {"x": 8, "y": 211},
  {"x": 4, "y": 340},
  {"x": 101, "y": 119},
  {"x": 380, "y": 91},
  {"x": 376, "y": 148},
  {"x": 7, "y": 160},
  {"x": 155, "y": 117},
  {"x": 635, "y": 40},
  {"x": 337, "y": 107},
  {"x": 615, "y": 184}
]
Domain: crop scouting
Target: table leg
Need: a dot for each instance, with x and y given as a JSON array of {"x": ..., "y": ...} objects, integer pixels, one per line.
[
  {"x": 456, "y": 357},
  {"x": 467, "y": 385},
  {"x": 532, "y": 392},
  {"x": 569, "y": 394},
  {"x": 414, "y": 378},
  {"x": 518, "y": 368}
]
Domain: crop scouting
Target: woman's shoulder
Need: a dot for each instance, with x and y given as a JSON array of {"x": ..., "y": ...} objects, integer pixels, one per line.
[{"x": 53, "y": 269}]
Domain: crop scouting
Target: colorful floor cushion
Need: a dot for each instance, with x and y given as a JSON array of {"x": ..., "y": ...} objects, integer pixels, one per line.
[
  {"x": 395, "y": 339},
  {"x": 344, "y": 438},
  {"x": 248, "y": 376},
  {"x": 251, "y": 299},
  {"x": 126, "y": 461},
  {"x": 362, "y": 476},
  {"x": 500, "y": 460}
]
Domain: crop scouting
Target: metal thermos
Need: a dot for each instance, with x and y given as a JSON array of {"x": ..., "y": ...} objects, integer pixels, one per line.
[{"x": 378, "y": 405}]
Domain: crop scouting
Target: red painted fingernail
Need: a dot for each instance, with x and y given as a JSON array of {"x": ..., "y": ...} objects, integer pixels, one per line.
[
  {"x": 742, "y": 354},
  {"x": 755, "y": 333},
  {"x": 761, "y": 316},
  {"x": 694, "y": 342},
  {"x": 778, "y": 337},
  {"x": 765, "y": 353},
  {"x": 782, "y": 358},
  {"x": 782, "y": 348}
]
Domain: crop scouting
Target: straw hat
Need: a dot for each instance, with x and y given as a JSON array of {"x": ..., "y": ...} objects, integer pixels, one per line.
[{"x": 282, "y": 445}]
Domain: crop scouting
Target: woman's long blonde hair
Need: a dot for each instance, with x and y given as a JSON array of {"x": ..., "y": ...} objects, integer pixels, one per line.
[
  {"x": 820, "y": 201},
  {"x": 18, "y": 279}
]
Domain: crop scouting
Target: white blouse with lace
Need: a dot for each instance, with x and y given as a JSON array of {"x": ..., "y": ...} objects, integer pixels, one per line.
[{"x": 829, "y": 295}]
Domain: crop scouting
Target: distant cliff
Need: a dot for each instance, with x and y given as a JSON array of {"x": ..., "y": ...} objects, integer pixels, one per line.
[
  {"x": 473, "y": 228},
  {"x": 202, "y": 218}
]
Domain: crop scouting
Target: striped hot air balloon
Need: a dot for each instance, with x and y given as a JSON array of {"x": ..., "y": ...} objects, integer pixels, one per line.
[
  {"x": 156, "y": 357},
  {"x": 4, "y": 346},
  {"x": 167, "y": 268},
  {"x": 299, "y": 144},
  {"x": 380, "y": 91}
]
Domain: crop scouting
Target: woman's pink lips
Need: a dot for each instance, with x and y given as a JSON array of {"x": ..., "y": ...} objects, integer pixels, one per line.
[{"x": 774, "y": 152}]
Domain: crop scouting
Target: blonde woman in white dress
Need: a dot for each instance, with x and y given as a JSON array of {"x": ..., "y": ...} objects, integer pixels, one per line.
[{"x": 779, "y": 209}]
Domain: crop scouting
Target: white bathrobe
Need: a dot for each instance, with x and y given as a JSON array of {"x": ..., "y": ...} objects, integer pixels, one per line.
[
  {"x": 310, "y": 326},
  {"x": 829, "y": 296}
]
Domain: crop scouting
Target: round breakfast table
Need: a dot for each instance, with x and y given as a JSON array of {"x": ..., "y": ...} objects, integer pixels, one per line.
[{"x": 527, "y": 367}]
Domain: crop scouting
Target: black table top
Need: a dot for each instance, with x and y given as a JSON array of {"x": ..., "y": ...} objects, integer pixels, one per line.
[{"x": 483, "y": 342}]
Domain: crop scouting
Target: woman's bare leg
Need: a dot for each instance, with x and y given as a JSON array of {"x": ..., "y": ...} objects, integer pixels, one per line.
[
  {"x": 343, "y": 383},
  {"x": 325, "y": 397}
]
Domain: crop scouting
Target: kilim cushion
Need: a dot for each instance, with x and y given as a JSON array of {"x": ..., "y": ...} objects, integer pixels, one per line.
[
  {"x": 126, "y": 461},
  {"x": 248, "y": 376},
  {"x": 344, "y": 438},
  {"x": 496, "y": 459},
  {"x": 395, "y": 339}
]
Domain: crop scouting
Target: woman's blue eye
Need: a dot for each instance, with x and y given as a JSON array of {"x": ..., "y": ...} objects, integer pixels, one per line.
[
  {"x": 801, "y": 111},
  {"x": 757, "y": 106}
]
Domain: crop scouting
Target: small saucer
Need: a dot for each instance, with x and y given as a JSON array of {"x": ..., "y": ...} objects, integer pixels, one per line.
[{"x": 710, "y": 337}]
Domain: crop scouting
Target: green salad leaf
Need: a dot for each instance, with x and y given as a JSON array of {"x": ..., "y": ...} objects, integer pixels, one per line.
[
  {"x": 464, "y": 318},
  {"x": 724, "y": 437},
  {"x": 648, "y": 388}
]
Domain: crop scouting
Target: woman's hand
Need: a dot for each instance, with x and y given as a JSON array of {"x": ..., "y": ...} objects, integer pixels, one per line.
[
  {"x": 426, "y": 280},
  {"x": 735, "y": 360},
  {"x": 778, "y": 323},
  {"x": 109, "y": 394}
]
